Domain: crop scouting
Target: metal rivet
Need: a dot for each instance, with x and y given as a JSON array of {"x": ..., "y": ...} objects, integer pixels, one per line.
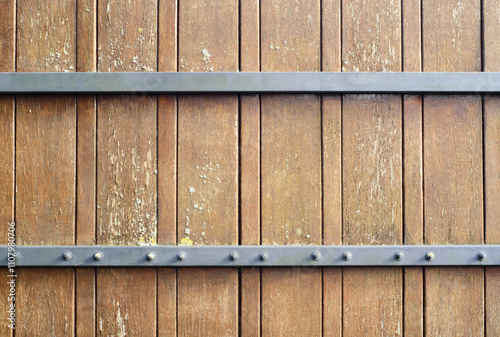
[
  {"x": 429, "y": 256},
  {"x": 181, "y": 256},
  {"x": 67, "y": 255},
  {"x": 16, "y": 255},
  {"x": 98, "y": 256},
  {"x": 316, "y": 255},
  {"x": 481, "y": 256},
  {"x": 347, "y": 256},
  {"x": 264, "y": 256},
  {"x": 151, "y": 256},
  {"x": 399, "y": 255},
  {"x": 234, "y": 256}
]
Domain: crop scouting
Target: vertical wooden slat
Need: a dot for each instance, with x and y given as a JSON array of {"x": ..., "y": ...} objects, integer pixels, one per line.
[
  {"x": 167, "y": 167},
  {"x": 372, "y": 167},
  {"x": 291, "y": 168},
  {"x": 7, "y": 148},
  {"x": 453, "y": 182},
  {"x": 250, "y": 168},
  {"x": 86, "y": 167},
  {"x": 126, "y": 168},
  {"x": 45, "y": 167},
  {"x": 491, "y": 26},
  {"x": 208, "y": 168},
  {"x": 412, "y": 170},
  {"x": 332, "y": 166}
]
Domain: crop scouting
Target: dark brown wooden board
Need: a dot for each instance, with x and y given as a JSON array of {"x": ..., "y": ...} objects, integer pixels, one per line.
[
  {"x": 372, "y": 168},
  {"x": 453, "y": 179},
  {"x": 291, "y": 168},
  {"x": 45, "y": 167},
  {"x": 126, "y": 168},
  {"x": 85, "y": 278},
  {"x": 413, "y": 211},
  {"x": 167, "y": 167},
  {"x": 7, "y": 148},
  {"x": 207, "y": 198},
  {"x": 491, "y": 125}
]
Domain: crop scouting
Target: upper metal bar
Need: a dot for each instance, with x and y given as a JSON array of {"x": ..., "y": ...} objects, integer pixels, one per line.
[
  {"x": 252, "y": 256},
  {"x": 250, "y": 82}
]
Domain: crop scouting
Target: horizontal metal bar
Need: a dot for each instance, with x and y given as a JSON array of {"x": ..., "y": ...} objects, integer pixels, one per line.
[
  {"x": 250, "y": 82},
  {"x": 252, "y": 256}
]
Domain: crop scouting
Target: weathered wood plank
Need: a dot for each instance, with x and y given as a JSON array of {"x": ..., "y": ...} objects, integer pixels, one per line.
[
  {"x": 208, "y": 168},
  {"x": 250, "y": 288},
  {"x": 126, "y": 302},
  {"x": 126, "y": 168},
  {"x": 413, "y": 170},
  {"x": 7, "y": 149},
  {"x": 86, "y": 169},
  {"x": 45, "y": 167},
  {"x": 167, "y": 167},
  {"x": 331, "y": 60},
  {"x": 491, "y": 26},
  {"x": 453, "y": 182},
  {"x": 372, "y": 167},
  {"x": 291, "y": 167}
]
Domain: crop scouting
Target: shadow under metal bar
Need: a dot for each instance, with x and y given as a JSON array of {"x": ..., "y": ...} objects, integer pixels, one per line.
[
  {"x": 251, "y": 256},
  {"x": 250, "y": 82}
]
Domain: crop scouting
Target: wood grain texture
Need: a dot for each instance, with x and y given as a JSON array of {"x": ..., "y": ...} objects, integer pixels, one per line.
[
  {"x": 7, "y": 149},
  {"x": 167, "y": 126},
  {"x": 85, "y": 278},
  {"x": 451, "y": 35},
  {"x": 167, "y": 168},
  {"x": 372, "y": 167},
  {"x": 126, "y": 302},
  {"x": 250, "y": 287},
  {"x": 86, "y": 170},
  {"x": 331, "y": 35},
  {"x": 46, "y": 36},
  {"x": 8, "y": 37},
  {"x": 167, "y": 302},
  {"x": 45, "y": 167},
  {"x": 332, "y": 302},
  {"x": 454, "y": 302},
  {"x": 250, "y": 33},
  {"x": 331, "y": 60},
  {"x": 491, "y": 119},
  {"x": 290, "y": 39},
  {"x": 127, "y": 168},
  {"x": 453, "y": 181},
  {"x": 168, "y": 13},
  {"x": 127, "y": 36},
  {"x": 86, "y": 26},
  {"x": 371, "y": 35},
  {"x": 208, "y": 168},
  {"x": 207, "y": 302},
  {"x": 453, "y": 165},
  {"x": 50, "y": 292},
  {"x": 412, "y": 35},
  {"x": 291, "y": 167},
  {"x": 492, "y": 300},
  {"x": 250, "y": 169}
]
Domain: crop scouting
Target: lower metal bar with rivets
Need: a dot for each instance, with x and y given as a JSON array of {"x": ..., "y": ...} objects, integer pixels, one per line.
[
  {"x": 251, "y": 256},
  {"x": 251, "y": 82}
]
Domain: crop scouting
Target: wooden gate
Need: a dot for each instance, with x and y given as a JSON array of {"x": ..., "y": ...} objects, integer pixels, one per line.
[{"x": 251, "y": 169}]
